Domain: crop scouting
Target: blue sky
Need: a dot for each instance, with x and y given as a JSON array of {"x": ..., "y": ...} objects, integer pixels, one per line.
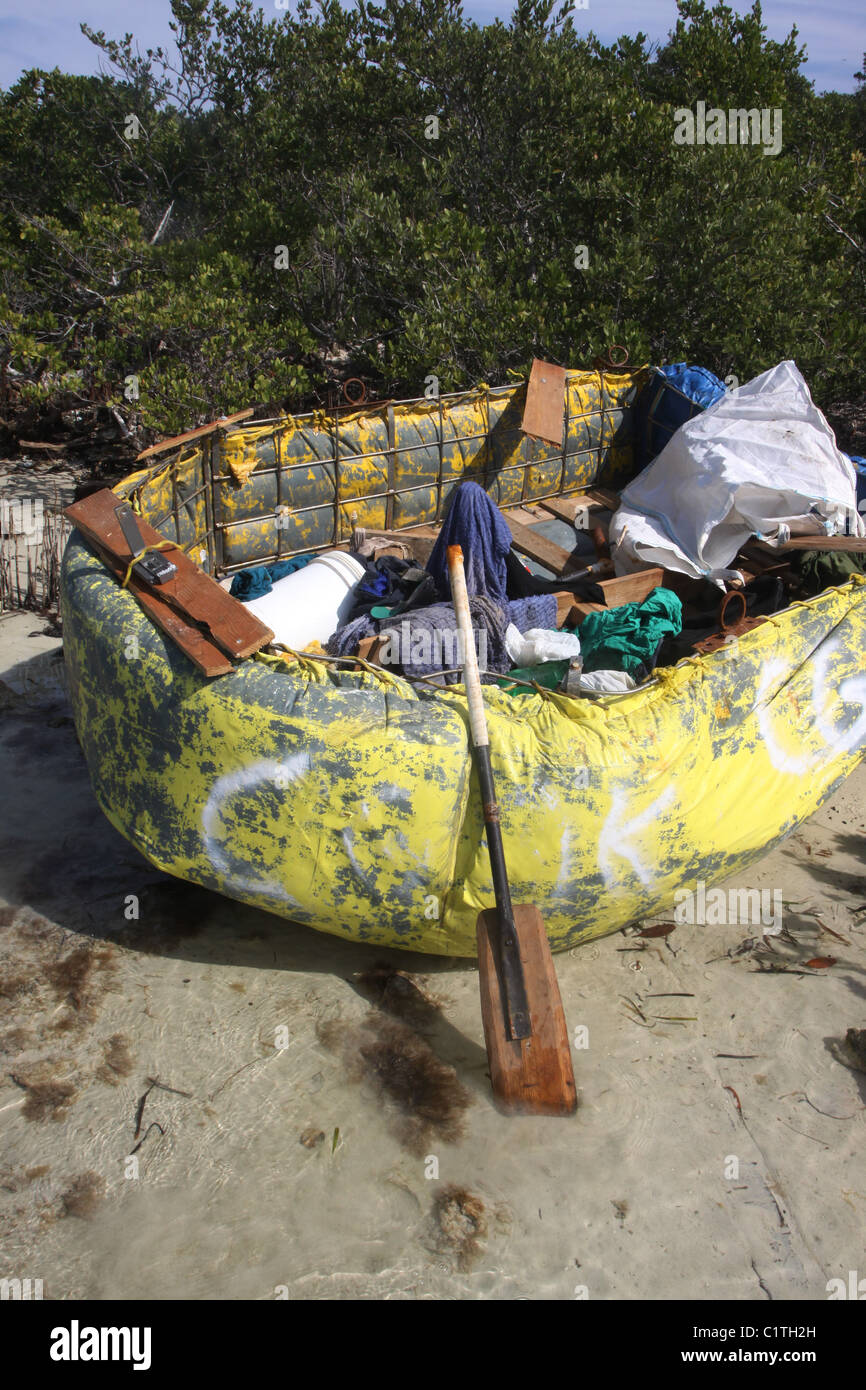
[{"x": 45, "y": 33}]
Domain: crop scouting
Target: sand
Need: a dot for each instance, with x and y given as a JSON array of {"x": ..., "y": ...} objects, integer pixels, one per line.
[{"x": 330, "y": 1134}]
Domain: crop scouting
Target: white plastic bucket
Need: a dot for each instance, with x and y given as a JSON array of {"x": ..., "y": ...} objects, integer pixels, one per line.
[{"x": 313, "y": 602}]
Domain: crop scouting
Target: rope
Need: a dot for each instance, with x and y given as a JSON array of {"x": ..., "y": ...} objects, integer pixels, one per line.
[
  {"x": 375, "y": 670},
  {"x": 163, "y": 545}
]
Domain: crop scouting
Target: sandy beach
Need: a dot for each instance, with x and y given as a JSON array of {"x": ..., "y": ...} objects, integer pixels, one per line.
[{"x": 202, "y": 1101}]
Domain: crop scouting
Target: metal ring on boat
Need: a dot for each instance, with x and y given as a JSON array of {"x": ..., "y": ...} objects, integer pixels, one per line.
[
  {"x": 732, "y": 610},
  {"x": 617, "y": 347},
  {"x": 354, "y": 400}
]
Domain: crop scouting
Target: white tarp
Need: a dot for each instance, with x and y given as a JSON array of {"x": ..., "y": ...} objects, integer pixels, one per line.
[{"x": 761, "y": 462}]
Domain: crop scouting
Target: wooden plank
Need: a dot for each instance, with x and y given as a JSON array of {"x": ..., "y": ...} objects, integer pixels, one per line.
[
  {"x": 190, "y": 592},
  {"x": 199, "y": 433},
  {"x": 628, "y": 588},
  {"x": 369, "y": 647},
  {"x": 366, "y": 645},
  {"x": 544, "y": 411},
  {"x": 569, "y": 508},
  {"x": 554, "y": 557},
  {"x": 233, "y": 626},
  {"x": 581, "y": 610},
  {"x": 605, "y": 497},
  {"x": 194, "y": 643},
  {"x": 855, "y": 544},
  {"x": 564, "y": 605},
  {"x": 632, "y": 588},
  {"x": 594, "y": 499},
  {"x": 524, "y": 516},
  {"x": 419, "y": 540},
  {"x": 423, "y": 529}
]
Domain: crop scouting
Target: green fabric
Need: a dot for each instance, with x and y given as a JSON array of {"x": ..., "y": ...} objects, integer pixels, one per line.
[
  {"x": 546, "y": 673},
  {"x": 822, "y": 569},
  {"x": 626, "y": 638}
]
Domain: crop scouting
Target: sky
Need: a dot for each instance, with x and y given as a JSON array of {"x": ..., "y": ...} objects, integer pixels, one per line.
[{"x": 45, "y": 33}]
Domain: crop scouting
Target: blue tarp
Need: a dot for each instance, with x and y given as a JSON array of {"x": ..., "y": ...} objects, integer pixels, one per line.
[
  {"x": 672, "y": 395},
  {"x": 860, "y": 464}
]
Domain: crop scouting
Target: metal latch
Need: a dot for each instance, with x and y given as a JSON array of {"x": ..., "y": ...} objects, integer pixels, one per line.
[{"x": 152, "y": 568}]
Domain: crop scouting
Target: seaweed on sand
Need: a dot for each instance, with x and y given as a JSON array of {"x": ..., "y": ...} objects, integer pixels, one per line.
[
  {"x": 396, "y": 992},
  {"x": 425, "y": 1095},
  {"x": 460, "y": 1221}
]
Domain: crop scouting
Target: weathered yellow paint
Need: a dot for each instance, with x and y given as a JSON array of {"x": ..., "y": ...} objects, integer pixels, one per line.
[
  {"x": 481, "y": 438},
  {"x": 348, "y": 802}
]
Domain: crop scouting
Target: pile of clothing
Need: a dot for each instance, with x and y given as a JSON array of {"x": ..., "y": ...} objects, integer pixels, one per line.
[
  {"x": 410, "y": 608},
  {"x": 717, "y": 468},
  {"x": 514, "y": 613}
]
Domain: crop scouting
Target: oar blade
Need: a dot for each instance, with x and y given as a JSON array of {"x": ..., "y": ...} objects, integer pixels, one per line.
[{"x": 535, "y": 1075}]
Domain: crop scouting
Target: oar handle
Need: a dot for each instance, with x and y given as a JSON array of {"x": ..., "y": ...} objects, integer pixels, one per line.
[
  {"x": 516, "y": 1003},
  {"x": 471, "y": 676}
]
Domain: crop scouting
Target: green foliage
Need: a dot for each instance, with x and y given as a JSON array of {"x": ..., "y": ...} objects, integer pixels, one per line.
[{"x": 283, "y": 209}]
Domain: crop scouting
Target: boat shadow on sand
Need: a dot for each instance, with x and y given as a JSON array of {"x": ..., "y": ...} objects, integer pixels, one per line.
[
  {"x": 63, "y": 866},
  {"x": 84, "y": 908}
]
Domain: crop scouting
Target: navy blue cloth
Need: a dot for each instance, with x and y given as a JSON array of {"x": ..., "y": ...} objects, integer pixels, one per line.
[
  {"x": 346, "y": 640},
  {"x": 537, "y": 611},
  {"x": 672, "y": 395},
  {"x": 378, "y": 586},
  {"x": 860, "y": 464},
  {"x": 479, "y": 528},
  {"x": 258, "y": 581},
  {"x": 390, "y": 583},
  {"x": 426, "y": 641}
]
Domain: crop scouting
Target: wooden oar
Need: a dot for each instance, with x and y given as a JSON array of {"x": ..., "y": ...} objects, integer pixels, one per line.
[{"x": 524, "y": 1024}]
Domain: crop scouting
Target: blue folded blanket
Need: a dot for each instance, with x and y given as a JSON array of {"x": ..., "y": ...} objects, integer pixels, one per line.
[
  {"x": 258, "y": 581},
  {"x": 479, "y": 528},
  {"x": 424, "y": 640}
]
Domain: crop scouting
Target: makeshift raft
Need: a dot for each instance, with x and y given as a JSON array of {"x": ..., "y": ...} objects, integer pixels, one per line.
[{"x": 344, "y": 798}]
